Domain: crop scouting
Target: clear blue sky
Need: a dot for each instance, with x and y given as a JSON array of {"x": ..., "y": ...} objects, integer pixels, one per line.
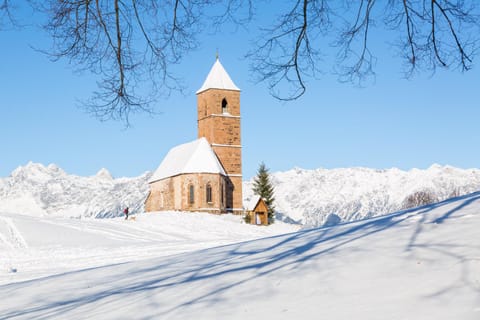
[{"x": 391, "y": 123}]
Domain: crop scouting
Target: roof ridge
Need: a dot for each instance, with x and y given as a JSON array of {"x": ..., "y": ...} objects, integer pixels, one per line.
[
  {"x": 192, "y": 157},
  {"x": 218, "y": 78}
]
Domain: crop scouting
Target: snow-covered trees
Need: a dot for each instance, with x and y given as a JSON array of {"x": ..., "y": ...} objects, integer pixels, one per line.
[{"x": 419, "y": 198}]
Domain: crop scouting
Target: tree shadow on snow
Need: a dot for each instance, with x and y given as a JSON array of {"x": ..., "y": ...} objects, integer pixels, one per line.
[{"x": 216, "y": 271}]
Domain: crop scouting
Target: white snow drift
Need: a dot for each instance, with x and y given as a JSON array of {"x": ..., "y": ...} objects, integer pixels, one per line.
[{"x": 416, "y": 264}]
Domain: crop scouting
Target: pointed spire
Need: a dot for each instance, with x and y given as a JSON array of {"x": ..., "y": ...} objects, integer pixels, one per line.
[{"x": 218, "y": 78}]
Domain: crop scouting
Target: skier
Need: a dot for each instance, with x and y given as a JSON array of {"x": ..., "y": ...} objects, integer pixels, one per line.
[{"x": 125, "y": 211}]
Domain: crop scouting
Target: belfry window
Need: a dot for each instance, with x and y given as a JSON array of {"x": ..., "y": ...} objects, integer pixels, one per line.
[
  {"x": 224, "y": 106},
  {"x": 191, "y": 194},
  {"x": 208, "y": 190}
]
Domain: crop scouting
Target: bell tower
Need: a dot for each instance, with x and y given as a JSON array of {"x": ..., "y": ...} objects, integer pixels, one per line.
[{"x": 218, "y": 103}]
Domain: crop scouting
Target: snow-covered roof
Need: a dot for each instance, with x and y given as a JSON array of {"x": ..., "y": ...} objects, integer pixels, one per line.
[
  {"x": 193, "y": 157},
  {"x": 250, "y": 204},
  {"x": 218, "y": 78}
]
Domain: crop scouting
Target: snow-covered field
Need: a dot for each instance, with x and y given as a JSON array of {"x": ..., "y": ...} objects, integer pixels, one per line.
[
  {"x": 32, "y": 246},
  {"x": 417, "y": 264}
]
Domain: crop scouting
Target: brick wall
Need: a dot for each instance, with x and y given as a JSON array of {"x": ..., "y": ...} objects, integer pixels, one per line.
[{"x": 223, "y": 132}]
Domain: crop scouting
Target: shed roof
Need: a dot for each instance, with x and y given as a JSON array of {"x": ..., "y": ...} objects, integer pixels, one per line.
[
  {"x": 192, "y": 157},
  {"x": 251, "y": 203},
  {"x": 218, "y": 78}
]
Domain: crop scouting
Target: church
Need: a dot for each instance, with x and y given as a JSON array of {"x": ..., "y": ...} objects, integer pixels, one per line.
[{"x": 205, "y": 174}]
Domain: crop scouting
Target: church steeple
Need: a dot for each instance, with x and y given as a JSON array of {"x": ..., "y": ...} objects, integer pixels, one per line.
[
  {"x": 206, "y": 174},
  {"x": 218, "y": 78},
  {"x": 218, "y": 101}
]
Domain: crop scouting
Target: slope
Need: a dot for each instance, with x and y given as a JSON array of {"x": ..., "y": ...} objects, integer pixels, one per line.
[
  {"x": 414, "y": 264},
  {"x": 33, "y": 247}
]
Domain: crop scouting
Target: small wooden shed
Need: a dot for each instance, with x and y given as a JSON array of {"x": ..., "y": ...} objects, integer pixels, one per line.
[{"x": 256, "y": 211}]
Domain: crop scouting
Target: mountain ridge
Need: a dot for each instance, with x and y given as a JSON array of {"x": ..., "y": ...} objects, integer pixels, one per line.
[
  {"x": 313, "y": 197},
  {"x": 36, "y": 189},
  {"x": 308, "y": 197}
]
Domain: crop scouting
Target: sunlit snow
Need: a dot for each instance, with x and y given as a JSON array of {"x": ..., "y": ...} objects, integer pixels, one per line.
[{"x": 415, "y": 264}]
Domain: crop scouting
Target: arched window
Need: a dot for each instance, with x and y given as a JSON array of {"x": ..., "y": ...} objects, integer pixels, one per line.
[
  {"x": 224, "y": 106},
  {"x": 191, "y": 194},
  {"x": 208, "y": 190},
  {"x": 222, "y": 194}
]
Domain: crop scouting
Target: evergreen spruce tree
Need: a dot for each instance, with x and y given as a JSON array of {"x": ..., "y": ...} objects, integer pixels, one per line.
[{"x": 262, "y": 186}]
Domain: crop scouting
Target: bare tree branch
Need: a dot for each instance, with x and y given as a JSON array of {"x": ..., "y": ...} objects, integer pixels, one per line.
[
  {"x": 231, "y": 12},
  {"x": 433, "y": 29},
  {"x": 132, "y": 44},
  {"x": 7, "y": 16},
  {"x": 287, "y": 56},
  {"x": 105, "y": 37},
  {"x": 465, "y": 59},
  {"x": 362, "y": 65},
  {"x": 410, "y": 34}
]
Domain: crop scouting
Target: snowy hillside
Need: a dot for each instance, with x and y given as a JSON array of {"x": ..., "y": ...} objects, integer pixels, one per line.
[
  {"x": 48, "y": 190},
  {"x": 415, "y": 264},
  {"x": 32, "y": 247},
  {"x": 310, "y": 197},
  {"x": 313, "y": 197}
]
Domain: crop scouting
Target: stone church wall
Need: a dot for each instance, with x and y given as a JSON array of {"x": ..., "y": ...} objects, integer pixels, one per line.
[
  {"x": 223, "y": 131},
  {"x": 173, "y": 193}
]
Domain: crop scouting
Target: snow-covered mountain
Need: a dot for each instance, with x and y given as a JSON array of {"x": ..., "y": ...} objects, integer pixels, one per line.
[
  {"x": 48, "y": 190},
  {"x": 309, "y": 197},
  {"x": 316, "y": 197}
]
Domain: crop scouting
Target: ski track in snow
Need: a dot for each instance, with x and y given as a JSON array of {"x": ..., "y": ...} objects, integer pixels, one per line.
[
  {"x": 114, "y": 230},
  {"x": 107, "y": 231},
  {"x": 66, "y": 244},
  {"x": 12, "y": 237}
]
